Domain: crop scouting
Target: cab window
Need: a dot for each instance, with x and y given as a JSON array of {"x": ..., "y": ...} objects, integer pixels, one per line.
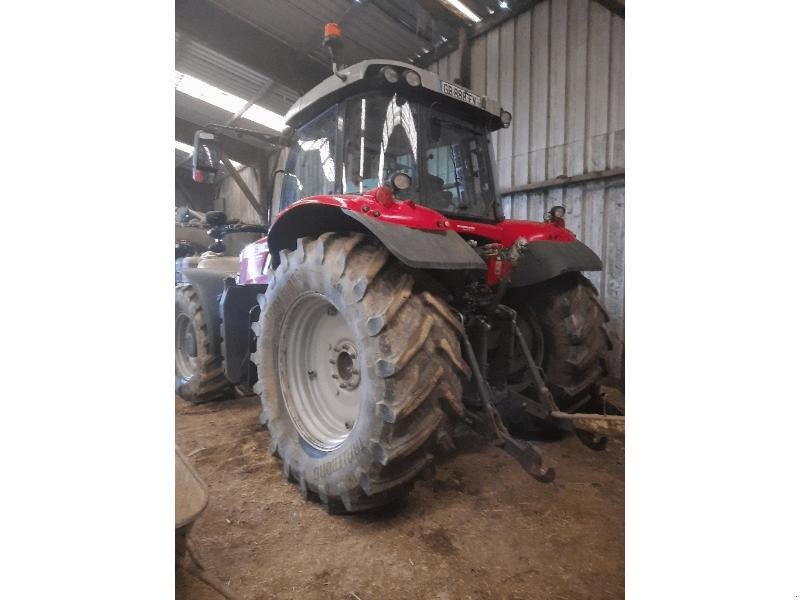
[{"x": 310, "y": 165}]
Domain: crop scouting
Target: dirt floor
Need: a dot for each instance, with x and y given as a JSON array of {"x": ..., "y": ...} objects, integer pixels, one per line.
[{"x": 481, "y": 528}]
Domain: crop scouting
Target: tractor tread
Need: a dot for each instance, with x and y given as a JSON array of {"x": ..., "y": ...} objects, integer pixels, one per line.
[
  {"x": 577, "y": 341},
  {"x": 416, "y": 349},
  {"x": 209, "y": 383}
]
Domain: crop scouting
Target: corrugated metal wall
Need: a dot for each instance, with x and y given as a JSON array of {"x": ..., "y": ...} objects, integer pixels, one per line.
[{"x": 560, "y": 69}]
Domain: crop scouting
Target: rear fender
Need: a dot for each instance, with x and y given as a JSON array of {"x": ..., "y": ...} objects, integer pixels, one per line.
[
  {"x": 419, "y": 249},
  {"x": 540, "y": 261}
]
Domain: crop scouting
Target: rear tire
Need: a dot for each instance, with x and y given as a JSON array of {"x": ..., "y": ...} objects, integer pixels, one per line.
[
  {"x": 394, "y": 373},
  {"x": 199, "y": 376},
  {"x": 570, "y": 334}
]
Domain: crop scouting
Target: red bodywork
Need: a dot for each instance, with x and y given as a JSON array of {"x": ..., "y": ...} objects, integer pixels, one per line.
[{"x": 381, "y": 205}]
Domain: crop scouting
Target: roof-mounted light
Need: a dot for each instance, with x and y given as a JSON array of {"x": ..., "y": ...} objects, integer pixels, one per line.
[
  {"x": 412, "y": 78},
  {"x": 505, "y": 118},
  {"x": 391, "y": 75}
]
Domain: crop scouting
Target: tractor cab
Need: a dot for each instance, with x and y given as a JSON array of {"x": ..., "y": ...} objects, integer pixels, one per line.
[{"x": 375, "y": 119}]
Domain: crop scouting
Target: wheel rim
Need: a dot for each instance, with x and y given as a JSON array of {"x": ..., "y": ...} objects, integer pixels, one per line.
[
  {"x": 319, "y": 372},
  {"x": 185, "y": 346}
]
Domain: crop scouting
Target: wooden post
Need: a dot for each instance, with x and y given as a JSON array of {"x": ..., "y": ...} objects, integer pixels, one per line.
[
  {"x": 464, "y": 58},
  {"x": 245, "y": 190}
]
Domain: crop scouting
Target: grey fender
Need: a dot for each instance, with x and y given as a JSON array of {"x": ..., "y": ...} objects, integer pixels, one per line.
[
  {"x": 416, "y": 248},
  {"x": 540, "y": 261}
]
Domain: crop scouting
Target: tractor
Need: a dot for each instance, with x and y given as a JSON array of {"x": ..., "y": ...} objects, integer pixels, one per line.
[{"x": 390, "y": 299}]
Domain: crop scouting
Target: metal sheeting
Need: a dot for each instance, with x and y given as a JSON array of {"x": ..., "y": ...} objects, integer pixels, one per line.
[
  {"x": 193, "y": 58},
  {"x": 367, "y": 31},
  {"x": 559, "y": 68}
]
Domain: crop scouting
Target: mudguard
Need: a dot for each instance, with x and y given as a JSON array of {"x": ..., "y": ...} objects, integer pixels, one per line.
[
  {"x": 544, "y": 260},
  {"x": 417, "y": 248},
  {"x": 421, "y": 249}
]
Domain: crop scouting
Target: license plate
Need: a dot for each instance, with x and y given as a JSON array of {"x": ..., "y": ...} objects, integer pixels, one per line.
[{"x": 460, "y": 93}]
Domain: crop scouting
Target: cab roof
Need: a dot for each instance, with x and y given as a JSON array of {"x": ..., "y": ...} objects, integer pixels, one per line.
[{"x": 364, "y": 76}]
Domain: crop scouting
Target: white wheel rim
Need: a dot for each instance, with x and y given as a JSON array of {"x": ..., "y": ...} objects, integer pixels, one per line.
[{"x": 319, "y": 372}]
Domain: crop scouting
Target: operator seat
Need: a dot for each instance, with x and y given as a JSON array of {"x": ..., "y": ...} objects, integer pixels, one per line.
[{"x": 438, "y": 197}]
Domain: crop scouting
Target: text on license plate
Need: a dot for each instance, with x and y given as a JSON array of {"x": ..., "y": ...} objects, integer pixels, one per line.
[{"x": 459, "y": 93}]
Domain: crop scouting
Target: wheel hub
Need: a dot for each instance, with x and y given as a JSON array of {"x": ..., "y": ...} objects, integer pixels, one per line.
[
  {"x": 345, "y": 365},
  {"x": 319, "y": 371}
]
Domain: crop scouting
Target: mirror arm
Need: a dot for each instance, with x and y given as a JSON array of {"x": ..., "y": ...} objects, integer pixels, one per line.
[{"x": 274, "y": 140}]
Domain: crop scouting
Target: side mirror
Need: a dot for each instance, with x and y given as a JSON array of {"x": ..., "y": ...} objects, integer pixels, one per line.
[{"x": 206, "y": 157}]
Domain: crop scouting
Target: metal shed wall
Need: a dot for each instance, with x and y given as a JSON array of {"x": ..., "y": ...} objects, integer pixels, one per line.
[{"x": 560, "y": 69}]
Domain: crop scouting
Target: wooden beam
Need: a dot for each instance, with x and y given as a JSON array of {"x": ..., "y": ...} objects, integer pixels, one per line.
[
  {"x": 251, "y": 198},
  {"x": 563, "y": 181},
  {"x": 600, "y": 424},
  {"x": 465, "y": 58}
]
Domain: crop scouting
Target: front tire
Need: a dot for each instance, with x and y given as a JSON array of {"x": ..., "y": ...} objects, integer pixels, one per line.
[
  {"x": 199, "y": 376},
  {"x": 359, "y": 372}
]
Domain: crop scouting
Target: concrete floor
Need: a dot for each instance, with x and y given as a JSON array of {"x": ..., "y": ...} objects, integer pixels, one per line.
[{"x": 481, "y": 528}]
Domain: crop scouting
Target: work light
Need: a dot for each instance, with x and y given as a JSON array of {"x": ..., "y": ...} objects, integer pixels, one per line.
[
  {"x": 390, "y": 74},
  {"x": 412, "y": 78},
  {"x": 401, "y": 181}
]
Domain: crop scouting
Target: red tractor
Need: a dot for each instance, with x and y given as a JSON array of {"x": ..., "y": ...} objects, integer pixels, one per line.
[{"x": 390, "y": 298}]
